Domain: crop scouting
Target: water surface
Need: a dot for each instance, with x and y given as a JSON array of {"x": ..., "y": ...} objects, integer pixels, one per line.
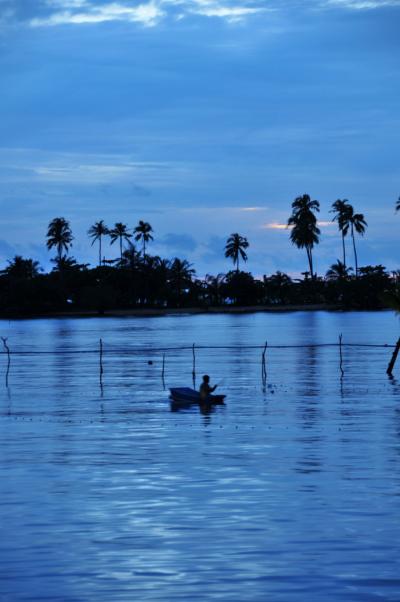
[{"x": 290, "y": 492}]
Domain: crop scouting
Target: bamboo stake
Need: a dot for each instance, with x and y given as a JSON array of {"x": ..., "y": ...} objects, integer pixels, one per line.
[
  {"x": 194, "y": 366},
  {"x": 163, "y": 370},
  {"x": 263, "y": 366},
  {"x": 341, "y": 355},
  {"x": 394, "y": 358},
  {"x": 6, "y": 347},
  {"x": 101, "y": 363}
]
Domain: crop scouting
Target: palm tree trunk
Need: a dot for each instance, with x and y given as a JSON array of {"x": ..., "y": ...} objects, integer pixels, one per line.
[
  {"x": 344, "y": 251},
  {"x": 144, "y": 249},
  {"x": 355, "y": 252},
  {"x": 310, "y": 263},
  {"x": 99, "y": 250},
  {"x": 120, "y": 248},
  {"x": 237, "y": 264}
]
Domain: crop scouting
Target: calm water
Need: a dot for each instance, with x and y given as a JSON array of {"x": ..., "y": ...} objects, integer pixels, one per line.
[{"x": 290, "y": 492}]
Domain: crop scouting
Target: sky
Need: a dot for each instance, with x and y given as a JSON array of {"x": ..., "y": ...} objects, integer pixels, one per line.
[{"x": 203, "y": 118}]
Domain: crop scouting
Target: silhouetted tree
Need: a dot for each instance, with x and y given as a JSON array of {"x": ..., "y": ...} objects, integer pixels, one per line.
[
  {"x": 214, "y": 288},
  {"x": 120, "y": 232},
  {"x": 398, "y": 204},
  {"x": 338, "y": 271},
  {"x": 130, "y": 257},
  {"x": 304, "y": 232},
  {"x": 65, "y": 264},
  {"x": 59, "y": 235},
  {"x": 96, "y": 232},
  {"x": 341, "y": 210},
  {"x": 235, "y": 248},
  {"x": 359, "y": 225},
  {"x": 181, "y": 273},
  {"x": 143, "y": 232},
  {"x": 22, "y": 268}
]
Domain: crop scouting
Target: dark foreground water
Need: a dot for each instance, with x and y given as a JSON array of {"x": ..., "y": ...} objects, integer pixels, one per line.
[{"x": 291, "y": 492}]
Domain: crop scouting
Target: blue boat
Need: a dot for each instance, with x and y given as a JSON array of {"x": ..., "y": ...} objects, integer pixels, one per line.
[{"x": 185, "y": 395}]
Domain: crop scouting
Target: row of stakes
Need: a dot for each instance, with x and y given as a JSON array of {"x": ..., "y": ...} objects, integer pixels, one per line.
[{"x": 389, "y": 369}]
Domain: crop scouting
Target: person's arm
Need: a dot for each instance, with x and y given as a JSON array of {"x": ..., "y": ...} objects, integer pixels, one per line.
[{"x": 213, "y": 388}]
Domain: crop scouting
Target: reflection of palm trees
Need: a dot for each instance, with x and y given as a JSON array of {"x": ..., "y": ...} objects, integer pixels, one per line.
[
  {"x": 304, "y": 233},
  {"x": 143, "y": 232},
  {"x": 235, "y": 248},
  {"x": 338, "y": 271},
  {"x": 120, "y": 231},
  {"x": 96, "y": 232},
  {"x": 59, "y": 235},
  {"x": 341, "y": 211}
]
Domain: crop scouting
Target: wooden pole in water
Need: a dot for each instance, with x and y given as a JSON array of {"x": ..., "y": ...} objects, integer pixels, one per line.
[
  {"x": 6, "y": 347},
  {"x": 263, "y": 366},
  {"x": 194, "y": 366},
  {"x": 163, "y": 369},
  {"x": 394, "y": 358},
  {"x": 101, "y": 362},
  {"x": 341, "y": 355}
]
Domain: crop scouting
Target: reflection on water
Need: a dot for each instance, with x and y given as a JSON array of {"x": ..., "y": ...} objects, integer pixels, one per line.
[{"x": 289, "y": 492}]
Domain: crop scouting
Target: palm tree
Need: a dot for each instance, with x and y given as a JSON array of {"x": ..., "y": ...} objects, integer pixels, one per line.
[
  {"x": 338, "y": 271},
  {"x": 22, "y": 268},
  {"x": 398, "y": 204},
  {"x": 341, "y": 210},
  {"x": 95, "y": 232},
  {"x": 130, "y": 257},
  {"x": 143, "y": 232},
  {"x": 359, "y": 225},
  {"x": 120, "y": 231},
  {"x": 304, "y": 233},
  {"x": 235, "y": 248},
  {"x": 59, "y": 235},
  {"x": 181, "y": 273}
]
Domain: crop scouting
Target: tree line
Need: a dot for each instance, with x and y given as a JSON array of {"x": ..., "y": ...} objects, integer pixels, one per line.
[{"x": 139, "y": 279}]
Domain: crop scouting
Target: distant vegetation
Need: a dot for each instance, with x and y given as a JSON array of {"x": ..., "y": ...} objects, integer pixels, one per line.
[{"x": 137, "y": 279}]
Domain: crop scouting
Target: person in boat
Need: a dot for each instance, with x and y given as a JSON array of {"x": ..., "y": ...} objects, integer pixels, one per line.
[{"x": 205, "y": 388}]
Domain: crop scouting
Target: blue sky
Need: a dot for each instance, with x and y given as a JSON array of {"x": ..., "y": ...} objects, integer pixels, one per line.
[{"x": 203, "y": 117}]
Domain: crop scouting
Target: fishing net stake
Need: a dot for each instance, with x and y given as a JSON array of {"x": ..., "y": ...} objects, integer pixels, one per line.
[
  {"x": 394, "y": 358},
  {"x": 6, "y": 347}
]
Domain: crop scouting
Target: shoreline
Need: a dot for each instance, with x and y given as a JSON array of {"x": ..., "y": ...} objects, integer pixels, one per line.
[{"x": 159, "y": 312}]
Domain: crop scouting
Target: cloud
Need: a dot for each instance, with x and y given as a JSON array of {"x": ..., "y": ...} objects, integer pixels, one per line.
[
  {"x": 181, "y": 242},
  {"x": 362, "y": 4},
  {"x": 278, "y": 226},
  {"x": 148, "y": 14}
]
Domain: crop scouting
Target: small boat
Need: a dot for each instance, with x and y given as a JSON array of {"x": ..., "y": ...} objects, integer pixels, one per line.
[{"x": 186, "y": 395}]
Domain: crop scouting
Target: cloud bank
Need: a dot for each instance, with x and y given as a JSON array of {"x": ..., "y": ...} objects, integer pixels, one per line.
[{"x": 51, "y": 13}]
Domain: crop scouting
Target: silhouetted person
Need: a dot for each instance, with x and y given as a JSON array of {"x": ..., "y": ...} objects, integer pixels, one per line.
[{"x": 205, "y": 388}]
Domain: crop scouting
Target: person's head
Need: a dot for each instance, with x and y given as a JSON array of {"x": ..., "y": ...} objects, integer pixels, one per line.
[{"x": 206, "y": 378}]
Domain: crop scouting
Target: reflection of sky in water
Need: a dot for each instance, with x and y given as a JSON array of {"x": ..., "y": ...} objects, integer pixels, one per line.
[{"x": 287, "y": 493}]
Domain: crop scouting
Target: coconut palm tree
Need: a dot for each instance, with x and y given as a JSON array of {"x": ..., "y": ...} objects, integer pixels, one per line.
[
  {"x": 359, "y": 225},
  {"x": 22, "y": 268},
  {"x": 235, "y": 248},
  {"x": 143, "y": 232},
  {"x": 59, "y": 235},
  {"x": 181, "y": 273},
  {"x": 96, "y": 232},
  {"x": 120, "y": 231},
  {"x": 130, "y": 257},
  {"x": 305, "y": 232},
  {"x": 338, "y": 271},
  {"x": 341, "y": 210}
]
